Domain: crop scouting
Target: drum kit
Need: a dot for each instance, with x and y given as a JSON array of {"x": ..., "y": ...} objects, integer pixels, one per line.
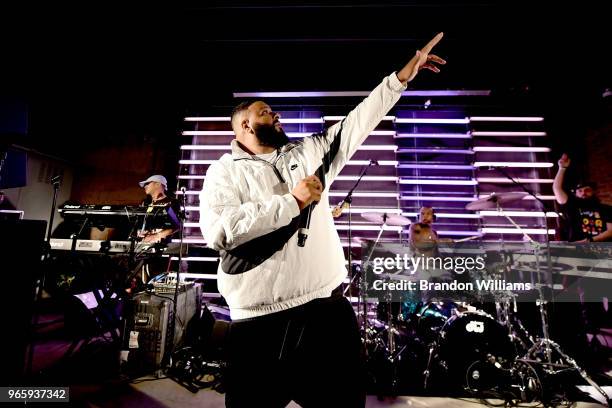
[{"x": 480, "y": 348}]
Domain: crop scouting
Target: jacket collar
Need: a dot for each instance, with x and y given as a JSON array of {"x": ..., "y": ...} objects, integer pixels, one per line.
[{"x": 238, "y": 153}]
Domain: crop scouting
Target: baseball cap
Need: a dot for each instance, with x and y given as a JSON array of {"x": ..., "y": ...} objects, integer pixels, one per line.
[
  {"x": 582, "y": 184},
  {"x": 156, "y": 177}
]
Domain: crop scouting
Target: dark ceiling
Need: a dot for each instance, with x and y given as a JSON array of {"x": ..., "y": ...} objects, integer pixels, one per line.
[{"x": 104, "y": 71}]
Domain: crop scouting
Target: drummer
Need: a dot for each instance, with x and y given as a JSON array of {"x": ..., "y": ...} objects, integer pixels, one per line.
[{"x": 422, "y": 232}]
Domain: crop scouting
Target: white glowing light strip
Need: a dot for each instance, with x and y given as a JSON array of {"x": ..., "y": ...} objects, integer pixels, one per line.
[
  {"x": 433, "y": 136},
  {"x": 208, "y": 119},
  {"x": 196, "y": 258},
  {"x": 488, "y": 213},
  {"x": 319, "y": 94},
  {"x": 437, "y": 198},
  {"x": 190, "y": 241},
  {"x": 432, "y": 120},
  {"x": 207, "y": 133},
  {"x": 513, "y": 164},
  {"x": 191, "y": 224},
  {"x": 445, "y": 215},
  {"x": 520, "y": 180},
  {"x": 461, "y": 233},
  {"x": 301, "y": 120},
  {"x": 508, "y": 133},
  {"x": 436, "y": 166},
  {"x": 434, "y": 150},
  {"x": 535, "y": 231},
  {"x": 227, "y": 119},
  {"x": 294, "y": 135},
  {"x": 510, "y": 149},
  {"x": 194, "y": 177},
  {"x": 188, "y": 192},
  {"x": 191, "y": 275},
  {"x": 362, "y": 194},
  {"x": 378, "y": 147},
  {"x": 506, "y": 118},
  {"x": 440, "y": 182},
  {"x": 206, "y": 147},
  {"x": 367, "y": 228},
  {"x": 366, "y": 178},
  {"x": 376, "y": 210},
  {"x": 541, "y": 197},
  {"x": 195, "y": 161},
  {"x": 342, "y": 117},
  {"x": 365, "y": 162}
]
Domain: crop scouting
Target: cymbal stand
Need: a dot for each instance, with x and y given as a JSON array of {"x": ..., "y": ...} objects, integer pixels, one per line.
[
  {"x": 363, "y": 285},
  {"x": 545, "y": 342}
]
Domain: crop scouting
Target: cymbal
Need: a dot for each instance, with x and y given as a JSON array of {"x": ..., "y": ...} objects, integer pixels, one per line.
[
  {"x": 490, "y": 202},
  {"x": 386, "y": 218}
]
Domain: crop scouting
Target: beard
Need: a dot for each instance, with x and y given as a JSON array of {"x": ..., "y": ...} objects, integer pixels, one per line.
[{"x": 268, "y": 135}]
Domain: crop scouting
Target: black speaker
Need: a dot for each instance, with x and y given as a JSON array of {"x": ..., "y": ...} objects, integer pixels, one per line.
[
  {"x": 147, "y": 337},
  {"x": 21, "y": 249}
]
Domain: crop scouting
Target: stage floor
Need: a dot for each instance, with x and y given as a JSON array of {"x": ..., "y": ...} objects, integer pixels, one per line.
[{"x": 167, "y": 393}]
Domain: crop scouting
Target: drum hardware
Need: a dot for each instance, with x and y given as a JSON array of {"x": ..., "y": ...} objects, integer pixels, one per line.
[
  {"x": 466, "y": 337},
  {"x": 385, "y": 219},
  {"x": 543, "y": 345},
  {"x": 519, "y": 382}
]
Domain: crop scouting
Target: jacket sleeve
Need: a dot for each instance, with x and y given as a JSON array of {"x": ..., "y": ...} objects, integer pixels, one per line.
[
  {"x": 336, "y": 145},
  {"x": 226, "y": 222}
]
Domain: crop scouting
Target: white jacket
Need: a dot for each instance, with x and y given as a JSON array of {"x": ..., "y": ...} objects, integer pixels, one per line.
[{"x": 247, "y": 213}]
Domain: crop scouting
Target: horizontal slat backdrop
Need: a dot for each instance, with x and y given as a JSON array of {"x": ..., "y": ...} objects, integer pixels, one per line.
[{"x": 440, "y": 156}]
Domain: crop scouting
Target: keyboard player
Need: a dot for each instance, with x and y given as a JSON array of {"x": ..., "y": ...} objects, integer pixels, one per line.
[{"x": 155, "y": 188}]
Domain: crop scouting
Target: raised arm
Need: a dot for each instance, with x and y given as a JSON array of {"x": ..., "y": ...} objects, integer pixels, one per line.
[
  {"x": 338, "y": 143},
  {"x": 560, "y": 194}
]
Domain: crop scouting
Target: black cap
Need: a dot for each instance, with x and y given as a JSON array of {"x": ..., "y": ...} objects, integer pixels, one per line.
[{"x": 582, "y": 184}]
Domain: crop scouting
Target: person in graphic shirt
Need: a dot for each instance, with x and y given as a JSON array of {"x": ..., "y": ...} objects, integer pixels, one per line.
[{"x": 587, "y": 219}]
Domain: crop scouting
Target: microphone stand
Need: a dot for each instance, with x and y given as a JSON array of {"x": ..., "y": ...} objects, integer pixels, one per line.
[
  {"x": 56, "y": 180},
  {"x": 181, "y": 218},
  {"x": 349, "y": 200}
]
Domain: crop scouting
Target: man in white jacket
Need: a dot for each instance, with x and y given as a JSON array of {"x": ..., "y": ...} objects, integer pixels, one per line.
[{"x": 293, "y": 336}]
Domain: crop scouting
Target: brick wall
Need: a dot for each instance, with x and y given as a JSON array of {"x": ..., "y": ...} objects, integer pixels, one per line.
[
  {"x": 599, "y": 160},
  {"x": 110, "y": 174}
]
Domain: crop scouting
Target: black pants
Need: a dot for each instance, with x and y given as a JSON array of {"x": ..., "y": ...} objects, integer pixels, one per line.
[{"x": 310, "y": 354}]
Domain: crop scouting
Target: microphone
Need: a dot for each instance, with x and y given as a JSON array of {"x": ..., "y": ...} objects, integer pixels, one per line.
[
  {"x": 373, "y": 162},
  {"x": 183, "y": 190},
  {"x": 305, "y": 225}
]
